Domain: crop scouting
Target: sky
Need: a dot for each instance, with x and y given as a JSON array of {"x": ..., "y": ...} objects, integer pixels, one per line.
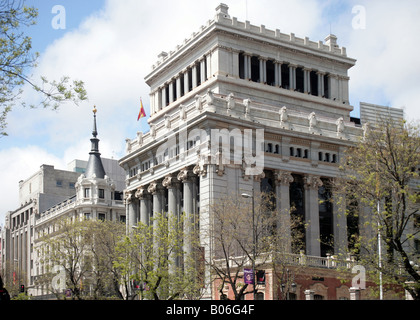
[{"x": 112, "y": 44}]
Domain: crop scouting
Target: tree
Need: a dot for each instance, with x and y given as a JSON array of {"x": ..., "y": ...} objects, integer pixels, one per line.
[
  {"x": 83, "y": 253},
  {"x": 66, "y": 249},
  {"x": 104, "y": 278},
  {"x": 381, "y": 179},
  {"x": 17, "y": 59},
  {"x": 152, "y": 255},
  {"x": 234, "y": 224}
]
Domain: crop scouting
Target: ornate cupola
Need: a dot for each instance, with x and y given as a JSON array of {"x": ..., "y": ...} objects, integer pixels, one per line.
[
  {"x": 94, "y": 186},
  {"x": 94, "y": 167}
]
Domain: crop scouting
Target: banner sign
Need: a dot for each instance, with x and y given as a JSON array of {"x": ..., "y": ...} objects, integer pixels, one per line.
[
  {"x": 249, "y": 276},
  {"x": 261, "y": 277}
]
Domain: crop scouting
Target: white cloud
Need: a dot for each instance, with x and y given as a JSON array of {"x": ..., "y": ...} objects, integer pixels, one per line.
[{"x": 386, "y": 51}]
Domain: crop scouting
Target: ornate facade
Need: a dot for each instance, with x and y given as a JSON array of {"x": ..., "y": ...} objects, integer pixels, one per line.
[{"x": 237, "y": 106}]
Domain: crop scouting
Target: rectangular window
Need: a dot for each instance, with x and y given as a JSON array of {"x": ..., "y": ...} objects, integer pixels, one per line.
[
  {"x": 87, "y": 215},
  {"x": 59, "y": 183},
  {"x": 101, "y": 216},
  {"x": 101, "y": 193},
  {"x": 87, "y": 193}
]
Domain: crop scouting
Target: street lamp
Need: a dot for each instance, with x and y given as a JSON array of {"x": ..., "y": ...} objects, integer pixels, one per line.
[{"x": 246, "y": 196}]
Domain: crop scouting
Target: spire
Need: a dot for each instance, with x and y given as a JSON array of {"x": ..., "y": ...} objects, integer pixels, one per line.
[
  {"x": 94, "y": 132},
  {"x": 94, "y": 167}
]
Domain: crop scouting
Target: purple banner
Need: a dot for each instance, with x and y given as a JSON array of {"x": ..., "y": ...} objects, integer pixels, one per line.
[{"x": 249, "y": 276}]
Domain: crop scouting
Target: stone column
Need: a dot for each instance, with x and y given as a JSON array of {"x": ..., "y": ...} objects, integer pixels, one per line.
[
  {"x": 157, "y": 192},
  {"x": 247, "y": 65},
  {"x": 283, "y": 180},
  {"x": 130, "y": 212},
  {"x": 292, "y": 76},
  {"x": 186, "y": 178},
  {"x": 186, "y": 82},
  {"x": 163, "y": 96},
  {"x": 178, "y": 86},
  {"x": 306, "y": 80},
  {"x": 320, "y": 84},
  {"x": 277, "y": 73},
  {"x": 171, "y": 92},
  {"x": 172, "y": 185},
  {"x": 203, "y": 69},
  {"x": 263, "y": 69},
  {"x": 312, "y": 184},
  {"x": 194, "y": 76},
  {"x": 143, "y": 204}
]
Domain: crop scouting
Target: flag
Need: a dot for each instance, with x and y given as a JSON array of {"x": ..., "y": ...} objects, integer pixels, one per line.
[{"x": 141, "y": 113}]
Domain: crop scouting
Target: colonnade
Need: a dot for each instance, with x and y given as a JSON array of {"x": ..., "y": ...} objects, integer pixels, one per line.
[
  {"x": 284, "y": 74},
  {"x": 177, "y": 193}
]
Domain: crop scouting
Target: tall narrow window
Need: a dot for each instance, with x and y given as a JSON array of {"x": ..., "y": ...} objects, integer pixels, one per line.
[
  {"x": 87, "y": 193},
  {"x": 241, "y": 65},
  {"x": 182, "y": 84},
  {"x": 270, "y": 73},
  {"x": 255, "y": 69},
  {"x": 198, "y": 74},
  {"x": 326, "y": 86},
  {"x": 297, "y": 213},
  {"x": 190, "y": 84},
  {"x": 299, "y": 79},
  {"x": 326, "y": 232},
  {"x": 285, "y": 76},
  {"x": 167, "y": 93},
  {"x": 314, "y": 83},
  {"x": 173, "y": 90}
]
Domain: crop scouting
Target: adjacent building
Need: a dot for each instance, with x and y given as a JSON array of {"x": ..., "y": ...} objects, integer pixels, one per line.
[{"x": 88, "y": 191}]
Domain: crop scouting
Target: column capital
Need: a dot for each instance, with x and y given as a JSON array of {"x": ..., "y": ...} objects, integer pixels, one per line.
[
  {"x": 140, "y": 193},
  {"x": 312, "y": 181},
  {"x": 283, "y": 177},
  {"x": 170, "y": 182},
  {"x": 185, "y": 175},
  {"x": 154, "y": 188},
  {"x": 128, "y": 196}
]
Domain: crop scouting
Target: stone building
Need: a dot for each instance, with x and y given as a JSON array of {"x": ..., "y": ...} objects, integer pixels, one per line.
[
  {"x": 237, "y": 106},
  {"x": 49, "y": 195}
]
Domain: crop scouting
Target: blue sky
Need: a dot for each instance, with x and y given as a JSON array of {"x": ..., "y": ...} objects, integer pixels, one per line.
[{"x": 112, "y": 44}]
